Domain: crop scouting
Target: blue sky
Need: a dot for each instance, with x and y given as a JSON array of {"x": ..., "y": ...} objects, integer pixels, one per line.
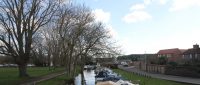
[{"x": 142, "y": 26}]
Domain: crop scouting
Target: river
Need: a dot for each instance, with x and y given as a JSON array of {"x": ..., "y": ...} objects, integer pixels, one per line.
[{"x": 89, "y": 77}]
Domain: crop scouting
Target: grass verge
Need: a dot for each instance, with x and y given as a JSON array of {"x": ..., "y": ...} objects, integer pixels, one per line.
[
  {"x": 145, "y": 80},
  {"x": 9, "y": 75}
]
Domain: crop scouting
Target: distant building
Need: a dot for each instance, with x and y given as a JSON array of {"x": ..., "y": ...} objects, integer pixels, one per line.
[
  {"x": 148, "y": 58},
  {"x": 140, "y": 61},
  {"x": 192, "y": 55},
  {"x": 173, "y": 55},
  {"x": 105, "y": 60}
]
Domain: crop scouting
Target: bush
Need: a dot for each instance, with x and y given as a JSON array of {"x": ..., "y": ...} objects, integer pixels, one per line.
[
  {"x": 173, "y": 64},
  {"x": 162, "y": 60},
  {"x": 187, "y": 71}
]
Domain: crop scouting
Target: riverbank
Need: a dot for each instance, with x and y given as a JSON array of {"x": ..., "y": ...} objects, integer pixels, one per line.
[
  {"x": 60, "y": 80},
  {"x": 145, "y": 80}
]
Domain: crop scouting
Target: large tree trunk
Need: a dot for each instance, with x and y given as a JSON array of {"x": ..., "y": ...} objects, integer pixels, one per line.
[
  {"x": 82, "y": 76},
  {"x": 82, "y": 70},
  {"x": 23, "y": 70}
]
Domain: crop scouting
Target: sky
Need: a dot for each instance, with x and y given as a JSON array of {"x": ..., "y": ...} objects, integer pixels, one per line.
[{"x": 147, "y": 26}]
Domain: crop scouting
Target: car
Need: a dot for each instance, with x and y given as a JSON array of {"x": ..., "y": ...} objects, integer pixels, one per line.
[
  {"x": 30, "y": 65},
  {"x": 13, "y": 65}
]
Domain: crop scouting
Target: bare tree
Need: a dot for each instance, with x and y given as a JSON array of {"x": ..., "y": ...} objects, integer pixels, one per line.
[
  {"x": 73, "y": 35},
  {"x": 20, "y": 20},
  {"x": 39, "y": 51}
]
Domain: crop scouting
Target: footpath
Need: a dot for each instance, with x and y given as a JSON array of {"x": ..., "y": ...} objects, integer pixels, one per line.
[
  {"x": 162, "y": 76},
  {"x": 42, "y": 78}
]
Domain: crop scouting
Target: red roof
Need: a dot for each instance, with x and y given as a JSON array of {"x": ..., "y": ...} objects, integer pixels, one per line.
[
  {"x": 170, "y": 51},
  {"x": 183, "y": 50}
]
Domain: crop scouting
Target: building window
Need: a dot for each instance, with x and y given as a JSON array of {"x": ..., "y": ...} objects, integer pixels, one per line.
[
  {"x": 190, "y": 56},
  {"x": 196, "y": 56},
  {"x": 168, "y": 55},
  {"x": 159, "y": 55}
]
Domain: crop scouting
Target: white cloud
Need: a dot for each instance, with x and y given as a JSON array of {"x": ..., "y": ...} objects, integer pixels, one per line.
[
  {"x": 138, "y": 7},
  {"x": 183, "y": 4},
  {"x": 104, "y": 17},
  {"x": 138, "y": 13},
  {"x": 147, "y": 2},
  {"x": 127, "y": 46},
  {"x": 113, "y": 33},
  {"x": 101, "y": 15},
  {"x": 136, "y": 16},
  {"x": 161, "y": 2}
]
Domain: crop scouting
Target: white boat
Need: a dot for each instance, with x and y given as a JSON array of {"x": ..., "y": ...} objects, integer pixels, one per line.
[{"x": 122, "y": 82}]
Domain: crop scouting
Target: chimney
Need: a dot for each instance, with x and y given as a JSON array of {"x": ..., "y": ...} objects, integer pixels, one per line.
[{"x": 196, "y": 46}]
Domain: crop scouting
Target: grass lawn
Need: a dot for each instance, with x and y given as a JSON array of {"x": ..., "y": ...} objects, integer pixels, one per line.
[
  {"x": 145, "y": 80},
  {"x": 60, "y": 80},
  {"x": 9, "y": 75}
]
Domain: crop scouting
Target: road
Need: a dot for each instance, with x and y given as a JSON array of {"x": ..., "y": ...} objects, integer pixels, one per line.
[{"x": 162, "y": 76}]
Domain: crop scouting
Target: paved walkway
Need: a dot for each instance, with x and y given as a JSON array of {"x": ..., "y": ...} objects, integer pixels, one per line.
[
  {"x": 162, "y": 76},
  {"x": 42, "y": 78}
]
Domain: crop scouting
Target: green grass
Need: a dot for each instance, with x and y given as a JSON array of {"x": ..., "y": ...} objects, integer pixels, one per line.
[
  {"x": 145, "y": 80},
  {"x": 9, "y": 75},
  {"x": 60, "y": 80}
]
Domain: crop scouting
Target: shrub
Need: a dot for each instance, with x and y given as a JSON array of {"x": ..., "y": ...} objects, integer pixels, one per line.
[{"x": 173, "y": 64}]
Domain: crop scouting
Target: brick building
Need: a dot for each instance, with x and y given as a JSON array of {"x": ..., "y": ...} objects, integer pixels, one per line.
[
  {"x": 192, "y": 55},
  {"x": 173, "y": 55}
]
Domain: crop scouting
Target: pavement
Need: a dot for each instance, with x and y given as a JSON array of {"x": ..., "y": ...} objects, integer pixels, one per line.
[
  {"x": 42, "y": 78},
  {"x": 162, "y": 76}
]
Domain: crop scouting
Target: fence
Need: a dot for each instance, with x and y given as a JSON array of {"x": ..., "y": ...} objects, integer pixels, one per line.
[{"x": 150, "y": 67}]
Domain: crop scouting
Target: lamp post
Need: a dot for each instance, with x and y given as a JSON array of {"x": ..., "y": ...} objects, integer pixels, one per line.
[{"x": 145, "y": 60}]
